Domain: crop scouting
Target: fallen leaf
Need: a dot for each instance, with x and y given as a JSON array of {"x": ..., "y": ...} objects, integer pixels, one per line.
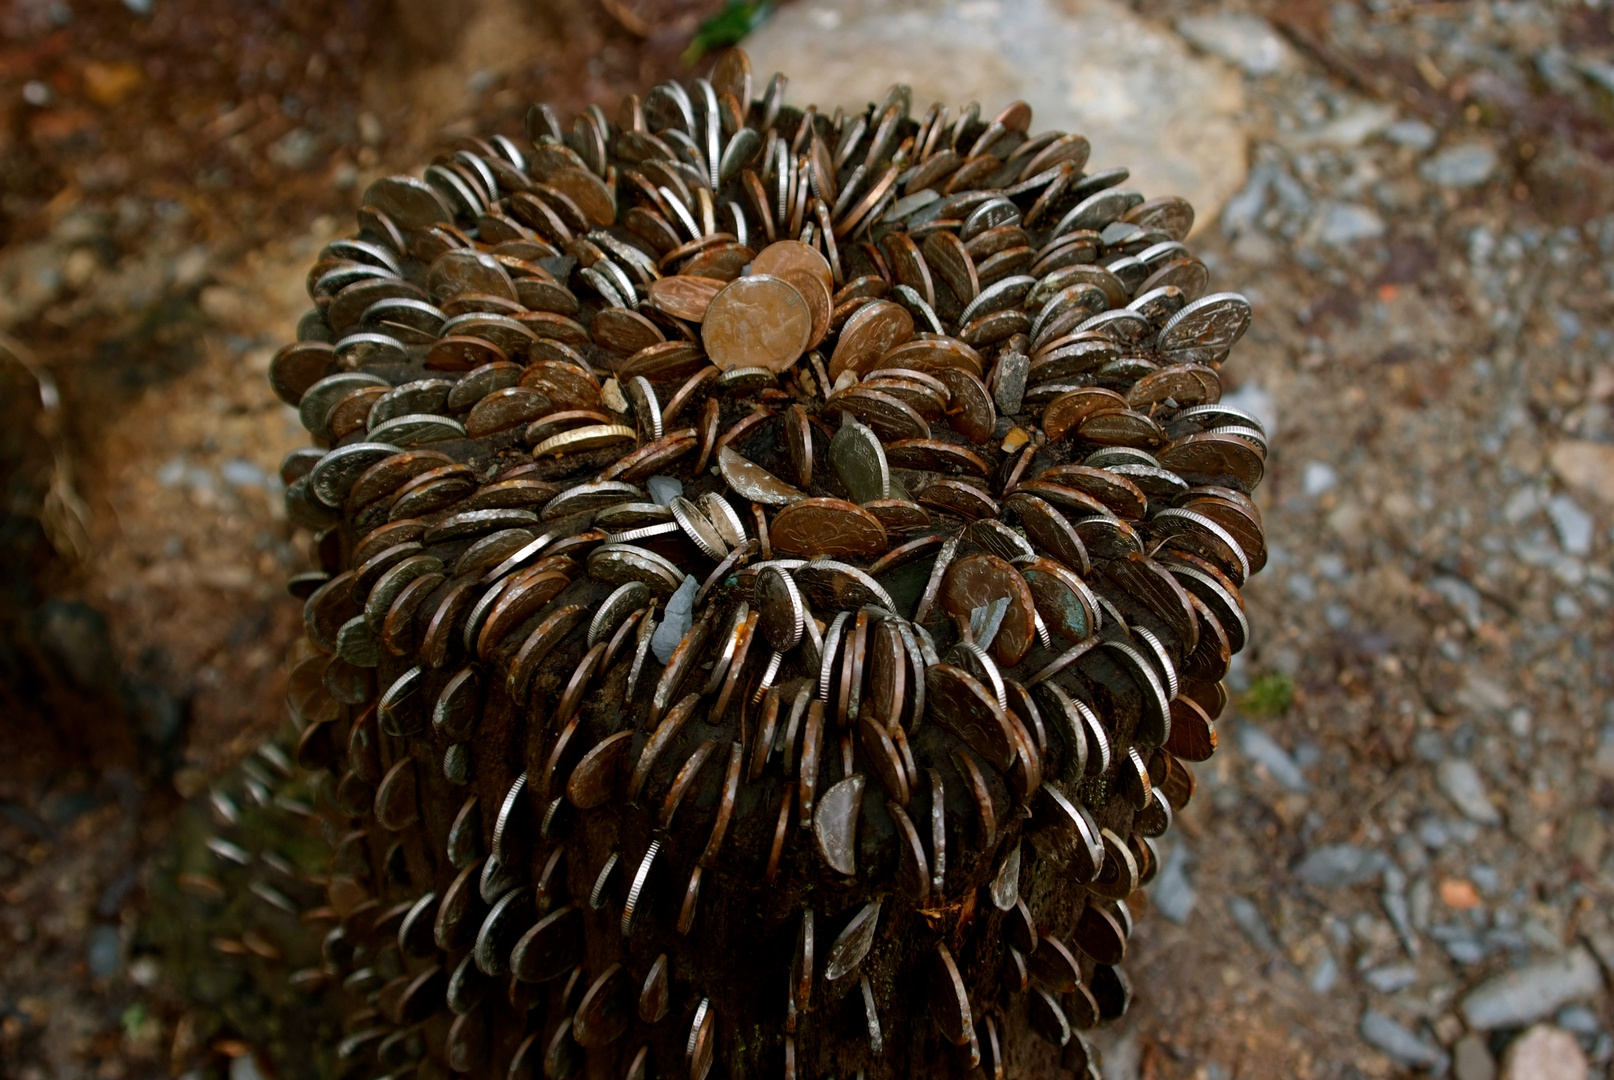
[{"x": 109, "y": 84}]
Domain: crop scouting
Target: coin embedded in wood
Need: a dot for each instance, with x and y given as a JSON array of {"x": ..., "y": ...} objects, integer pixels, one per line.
[
  {"x": 979, "y": 580},
  {"x": 872, "y": 332},
  {"x": 827, "y": 527},
  {"x": 780, "y": 604},
  {"x": 835, "y": 824},
  {"x": 757, "y": 321},
  {"x": 684, "y": 296},
  {"x": 551, "y": 948}
]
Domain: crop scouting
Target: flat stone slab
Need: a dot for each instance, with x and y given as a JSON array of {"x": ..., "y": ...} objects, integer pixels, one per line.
[{"x": 1143, "y": 98}]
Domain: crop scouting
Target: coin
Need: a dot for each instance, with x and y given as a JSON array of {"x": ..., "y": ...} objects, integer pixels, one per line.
[
  {"x": 960, "y": 703},
  {"x": 1063, "y": 600},
  {"x": 780, "y": 605},
  {"x": 551, "y": 947},
  {"x": 751, "y": 481},
  {"x": 684, "y": 296},
  {"x": 757, "y": 321},
  {"x": 793, "y": 255},
  {"x": 872, "y": 332},
  {"x": 827, "y": 527},
  {"x": 835, "y": 824},
  {"x": 979, "y": 580},
  {"x": 949, "y": 1001},
  {"x": 859, "y": 461}
]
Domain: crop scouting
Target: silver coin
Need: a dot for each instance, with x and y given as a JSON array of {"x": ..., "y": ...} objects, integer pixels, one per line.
[{"x": 781, "y": 610}]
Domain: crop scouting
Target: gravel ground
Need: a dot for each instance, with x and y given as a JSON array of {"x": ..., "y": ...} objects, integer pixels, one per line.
[{"x": 1399, "y": 860}]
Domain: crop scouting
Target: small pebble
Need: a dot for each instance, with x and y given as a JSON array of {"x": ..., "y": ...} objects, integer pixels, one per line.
[
  {"x": 1544, "y": 1053},
  {"x": 1246, "y": 41},
  {"x": 1460, "y": 782},
  {"x": 1574, "y": 526},
  {"x": 1318, "y": 478},
  {"x": 1463, "y": 166},
  {"x": 1325, "y": 976},
  {"x": 1267, "y": 751},
  {"x": 245, "y": 1067},
  {"x": 105, "y": 952},
  {"x": 1337, "y": 866},
  {"x": 1389, "y": 979},
  {"x": 1533, "y": 991},
  {"x": 1579, "y": 1019},
  {"x": 1404, "y": 1047},
  {"x": 1471, "y": 1059},
  {"x": 1249, "y": 919},
  {"x": 1173, "y": 895}
]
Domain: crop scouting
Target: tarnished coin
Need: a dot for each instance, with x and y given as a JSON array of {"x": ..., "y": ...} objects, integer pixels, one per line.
[
  {"x": 1062, "y": 599},
  {"x": 684, "y": 296},
  {"x": 949, "y": 1001},
  {"x": 970, "y": 410},
  {"x": 751, "y": 481},
  {"x": 835, "y": 824},
  {"x": 859, "y": 461},
  {"x": 411, "y": 203},
  {"x": 827, "y": 527},
  {"x": 838, "y": 586},
  {"x": 1206, "y": 329},
  {"x": 853, "y": 943},
  {"x": 698, "y": 527},
  {"x": 818, "y": 299},
  {"x": 780, "y": 606},
  {"x": 961, "y": 704},
  {"x": 981, "y": 580},
  {"x": 757, "y": 321},
  {"x": 872, "y": 332}
]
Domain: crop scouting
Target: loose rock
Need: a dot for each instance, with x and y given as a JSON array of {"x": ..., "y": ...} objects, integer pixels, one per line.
[
  {"x": 1471, "y": 1059},
  {"x": 1400, "y": 1044},
  {"x": 1265, "y": 750},
  {"x": 1463, "y": 166},
  {"x": 1246, "y": 41},
  {"x": 1460, "y": 782},
  {"x": 1533, "y": 991},
  {"x": 1337, "y": 866},
  {"x": 1586, "y": 465},
  {"x": 1139, "y": 94},
  {"x": 1544, "y": 1053}
]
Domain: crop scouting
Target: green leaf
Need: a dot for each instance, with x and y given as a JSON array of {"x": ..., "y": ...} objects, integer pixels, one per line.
[
  {"x": 134, "y": 1018},
  {"x": 1269, "y": 695},
  {"x": 727, "y": 27}
]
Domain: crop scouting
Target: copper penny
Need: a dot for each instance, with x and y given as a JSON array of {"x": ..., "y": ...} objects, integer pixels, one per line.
[
  {"x": 684, "y": 296},
  {"x": 932, "y": 354},
  {"x": 970, "y": 412},
  {"x": 757, "y": 321},
  {"x": 817, "y": 296},
  {"x": 827, "y": 527},
  {"x": 873, "y": 331},
  {"x": 960, "y": 703},
  {"x": 1063, "y": 600},
  {"x": 1068, "y": 411},
  {"x": 981, "y": 579},
  {"x": 793, "y": 255}
]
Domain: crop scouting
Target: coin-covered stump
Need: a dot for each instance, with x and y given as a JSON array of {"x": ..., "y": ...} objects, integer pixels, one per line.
[{"x": 776, "y": 568}]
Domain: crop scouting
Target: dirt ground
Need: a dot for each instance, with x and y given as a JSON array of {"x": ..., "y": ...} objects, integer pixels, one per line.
[{"x": 1415, "y": 787}]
